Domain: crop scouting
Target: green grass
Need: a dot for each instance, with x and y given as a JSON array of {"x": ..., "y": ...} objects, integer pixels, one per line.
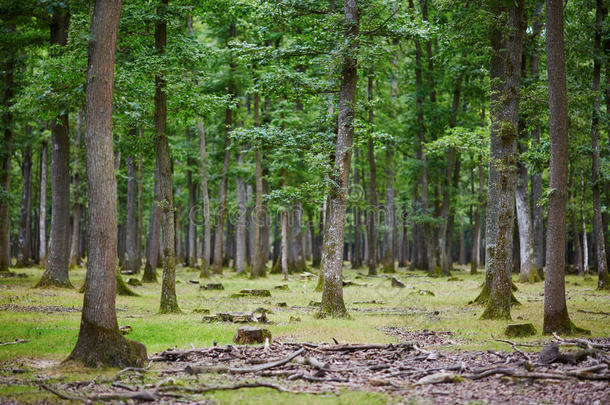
[{"x": 51, "y": 336}]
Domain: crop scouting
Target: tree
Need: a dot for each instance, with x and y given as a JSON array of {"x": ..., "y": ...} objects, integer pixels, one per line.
[
  {"x": 23, "y": 253},
  {"x": 169, "y": 301},
  {"x": 556, "y": 318},
  {"x": 132, "y": 261},
  {"x": 56, "y": 272},
  {"x": 332, "y": 252},
  {"x": 99, "y": 340},
  {"x": 77, "y": 207}
]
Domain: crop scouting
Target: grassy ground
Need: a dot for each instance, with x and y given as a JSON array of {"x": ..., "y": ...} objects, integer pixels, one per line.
[{"x": 51, "y": 336}]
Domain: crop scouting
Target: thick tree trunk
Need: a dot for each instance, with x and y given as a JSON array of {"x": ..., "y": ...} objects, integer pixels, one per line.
[
  {"x": 603, "y": 282},
  {"x": 99, "y": 341},
  {"x": 42, "y": 219},
  {"x": 132, "y": 260},
  {"x": 76, "y": 209},
  {"x": 332, "y": 252},
  {"x": 169, "y": 301},
  {"x": 556, "y": 318},
  {"x": 23, "y": 251},
  {"x": 506, "y": 68},
  {"x": 240, "y": 228},
  {"x": 207, "y": 235},
  {"x": 8, "y": 67},
  {"x": 56, "y": 272}
]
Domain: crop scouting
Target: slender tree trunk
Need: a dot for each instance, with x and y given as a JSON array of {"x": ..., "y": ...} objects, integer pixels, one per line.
[
  {"x": 598, "y": 228},
  {"x": 585, "y": 245},
  {"x": 390, "y": 234},
  {"x": 476, "y": 235},
  {"x": 284, "y": 243},
  {"x": 575, "y": 224},
  {"x": 240, "y": 228},
  {"x": 132, "y": 260},
  {"x": 169, "y": 301},
  {"x": 207, "y": 235},
  {"x": 222, "y": 192},
  {"x": 56, "y": 272},
  {"x": 556, "y": 318},
  {"x": 42, "y": 219},
  {"x": 77, "y": 207},
  {"x": 528, "y": 271},
  {"x": 332, "y": 252},
  {"x": 23, "y": 251},
  {"x": 506, "y": 66},
  {"x": 357, "y": 255},
  {"x": 140, "y": 210},
  {"x": 99, "y": 341},
  {"x": 154, "y": 233},
  {"x": 316, "y": 251},
  {"x": 371, "y": 215},
  {"x": 191, "y": 248},
  {"x": 8, "y": 67}
]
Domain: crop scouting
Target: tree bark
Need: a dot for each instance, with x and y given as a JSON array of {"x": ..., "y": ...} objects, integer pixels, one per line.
[
  {"x": 207, "y": 235},
  {"x": 332, "y": 252},
  {"x": 357, "y": 255},
  {"x": 169, "y": 301},
  {"x": 42, "y": 219},
  {"x": 371, "y": 214},
  {"x": 154, "y": 233},
  {"x": 5, "y": 159},
  {"x": 390, "y": 214},
  {"x": 240, "y": 228},
  {"x": 575, "y": 225},
  {"x": 23, "y": 251},
  {"x": 478, "y": 219},
  {"x": 99, "y": 341},
  {"x": 506, "y": 68},
  {"x": 132, "y": 260},
  {"x": 191, "y": 248},
  {"x": 556, "y": 318},
  {"x": 77, "y": 207},
  {"x": 585, "y": 245},
  {"x": 603, "y": 282},
  {"x": 56, "y": 272}
]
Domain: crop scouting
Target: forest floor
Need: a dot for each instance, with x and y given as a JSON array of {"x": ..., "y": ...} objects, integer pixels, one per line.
[{"x": 415, "y": 339}]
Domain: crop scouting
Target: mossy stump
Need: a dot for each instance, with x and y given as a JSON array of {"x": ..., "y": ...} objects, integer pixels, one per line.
[
  {"x": 397, "y": 283},
  {"x": 520, "y": 330},
  {"x": 212, "y": 286},
  {"x": 256, "y": 293},
  {"x": 249, "y": 335}
]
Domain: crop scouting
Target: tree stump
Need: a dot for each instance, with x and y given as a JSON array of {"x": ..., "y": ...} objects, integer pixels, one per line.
[
  {"x": 212, "y": 286},
  {"x": 520, "y": 330},
  {"x": 397, "y": 283},
  {"x": 256, "y": 293},
  {"x": 248, "y": 335},
  {"x": 134, "y": 282}
]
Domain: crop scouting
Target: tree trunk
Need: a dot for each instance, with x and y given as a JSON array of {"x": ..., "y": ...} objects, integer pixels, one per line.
[
  {"x": 154, "y": 233},
  {"x": 99, "y": 341},
  {"x": 575, "y": 224},
  {"x": 357, "y": 255},
  {"x": 603, "y": 282},
  {"x": 56, "y": 272},
  {"x": 506, "y": 68},
  {"x": 284, "y": 244},
  {"x": 332, "y": 252},
  {"x": 528, "y": 271},
  {"x": 140, "y": 210},
  {"x": 585, "y": 245},
  {"x": 240, "y": 228},
  {"x": 169, "y": 302},
  {"x": 390, "y": 214},
  {"x": 371, "y": 214},
  {"x": 478, "y": 220},
  {"x": 8, "y": 66},
  {"x": 23, "y": 252},
  {"x": 191, "y": 248},
  {"x": 132, "y": 260},
  {"x": 556, "y": 318},
  {"x": 207, "y": 236},
  {"x": 76, "y": 209},
  {"x": 42, "y": 219}
]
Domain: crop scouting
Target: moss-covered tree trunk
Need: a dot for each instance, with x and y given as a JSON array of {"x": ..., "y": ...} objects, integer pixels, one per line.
[
  {"x": 56, "y": 272},
  {"x": 505, "y": 75},
  {"x": 99, "y": 341}
]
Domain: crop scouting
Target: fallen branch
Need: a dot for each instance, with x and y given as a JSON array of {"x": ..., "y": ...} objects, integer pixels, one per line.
[
  {"x": 14, "y": 342},
  {"x": 584, "y": 343},
  {"x": 201, "y": 390},
  {"x": 584, "y": 374},
  {"x": 125, "y": 396},
  {"x": 60, "y": 394},
  {"x": 584, "y": 311},
  {"x": 135, "y": 369},
  {"x": 351, "y": 348},
  {"x": 515, "y": 348},
  {"x": 193, "y": 370}
]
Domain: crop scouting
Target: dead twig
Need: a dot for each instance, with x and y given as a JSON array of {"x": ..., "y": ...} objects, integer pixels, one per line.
[
  {"x": 60, "y": 394},
  {"x": 201, "y": 390},
  {"x": 235, "y": 370},
  {"x": 14, "y": 342}
]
